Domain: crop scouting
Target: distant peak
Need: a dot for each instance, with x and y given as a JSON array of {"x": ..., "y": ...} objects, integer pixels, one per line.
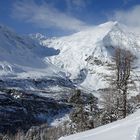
[
  {"x": 38, "y": 36},
  {"x": 114, "y": 22},
  {"x": 109, "y": 23},
  {"x": 5, "y": 28}
]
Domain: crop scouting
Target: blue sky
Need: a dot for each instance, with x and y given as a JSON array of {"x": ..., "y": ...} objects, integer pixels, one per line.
[{"x": 59, "y": 17}]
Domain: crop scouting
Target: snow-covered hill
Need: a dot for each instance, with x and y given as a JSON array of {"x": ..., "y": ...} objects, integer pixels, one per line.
[
  {"x": 125, "y": 129},
  {"x": 84, "y": 55}
]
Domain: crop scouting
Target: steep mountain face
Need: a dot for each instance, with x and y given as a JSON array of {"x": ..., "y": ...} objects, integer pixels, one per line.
[
  {"x": 23, "y": 110},
  {"x": 84, "y": 55},
  {"x": 23, "y": 57}
]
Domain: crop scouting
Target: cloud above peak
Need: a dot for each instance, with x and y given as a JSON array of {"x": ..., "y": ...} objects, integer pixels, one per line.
[
  {"x": 44, "y": 15},
  {"x": 129, "y": 17},
  {"x": 76, "y": 4}
]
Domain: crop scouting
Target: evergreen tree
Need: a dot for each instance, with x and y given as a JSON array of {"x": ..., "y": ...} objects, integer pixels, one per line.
[
  {"x": 93, "y": 109},
  {"x": 79, "y": 116},
  {"x": 84, "y": 113}
]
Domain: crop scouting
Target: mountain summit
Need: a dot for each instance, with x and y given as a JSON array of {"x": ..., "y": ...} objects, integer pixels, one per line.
[{"x": 84, "y": 55}]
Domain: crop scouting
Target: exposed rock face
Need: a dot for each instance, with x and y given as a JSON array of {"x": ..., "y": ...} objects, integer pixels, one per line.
[{"x": 12, "y": 113}]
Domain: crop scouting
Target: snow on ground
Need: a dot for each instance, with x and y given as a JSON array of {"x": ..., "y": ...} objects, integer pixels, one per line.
[
  {"x": 125, "y": 129},
  {"x": 60, "y": 119}
]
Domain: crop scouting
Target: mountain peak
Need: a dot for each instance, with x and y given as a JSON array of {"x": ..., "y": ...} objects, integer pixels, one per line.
[
  {"x": 79, "y": 52},
  {"x": 38, "y": 36},
  {"x": 109, "y": 23}
]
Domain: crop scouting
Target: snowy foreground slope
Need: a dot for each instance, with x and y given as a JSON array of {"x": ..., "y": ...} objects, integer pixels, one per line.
[
  {"x": 85, "y": 55},
  {"x": 125, "y": 129}
]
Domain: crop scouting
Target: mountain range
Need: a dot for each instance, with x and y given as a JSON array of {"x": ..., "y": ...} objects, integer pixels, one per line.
[{"x": 45, "y": 71}]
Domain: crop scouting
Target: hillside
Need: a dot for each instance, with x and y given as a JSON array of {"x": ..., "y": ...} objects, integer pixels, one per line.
[{"x": 125, "y": 129}]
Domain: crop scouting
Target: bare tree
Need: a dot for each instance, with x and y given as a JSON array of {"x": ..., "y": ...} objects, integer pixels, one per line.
[
  {"x": 115, "y": 98},
  {"x": 123, "y": 62}
]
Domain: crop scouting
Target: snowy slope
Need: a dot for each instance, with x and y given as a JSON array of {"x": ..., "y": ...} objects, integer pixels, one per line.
[
  {"x": 22, "y": 57},
  {"x": 125, "y": 129},
  {"x": 84, "y": 55}
]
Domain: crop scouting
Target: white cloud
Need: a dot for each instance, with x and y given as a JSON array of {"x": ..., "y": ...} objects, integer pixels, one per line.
[
  {"x": 77, "y": 5},
  {"x": 45, "y": 16},
  {"x": 130, "y": 17},
  {"x": 125, "y": 2}
]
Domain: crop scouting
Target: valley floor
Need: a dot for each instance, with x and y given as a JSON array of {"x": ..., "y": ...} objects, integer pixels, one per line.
[{"x": 125, "y": 129}]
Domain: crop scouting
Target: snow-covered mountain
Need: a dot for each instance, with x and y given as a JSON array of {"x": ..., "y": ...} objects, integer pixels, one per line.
[
  {"x": 25, "y": 74},
  {"x": 125, "y": 129},
  {"x": 43, "y": 66},
  {"x": 22, "y": 57},
  {"x": 84, "y": 55}
]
